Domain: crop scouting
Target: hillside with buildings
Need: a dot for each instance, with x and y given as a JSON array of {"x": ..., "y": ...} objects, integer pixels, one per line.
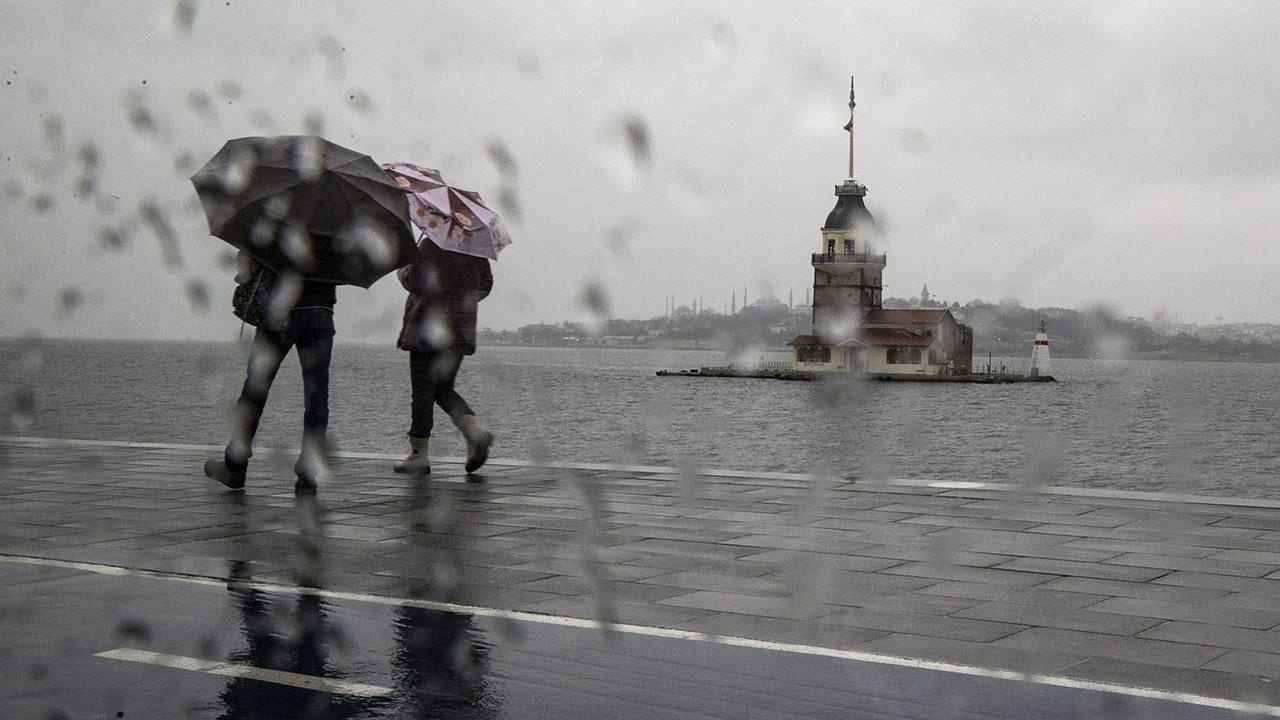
[{"x": 1003, "y": 329}]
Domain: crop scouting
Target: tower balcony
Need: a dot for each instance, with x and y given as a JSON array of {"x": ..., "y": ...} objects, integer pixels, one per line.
[{"x": 847, "y": 259}]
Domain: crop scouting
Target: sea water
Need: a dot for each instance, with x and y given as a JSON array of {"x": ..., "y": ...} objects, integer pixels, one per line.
[{"x": 1184, "y": 427}]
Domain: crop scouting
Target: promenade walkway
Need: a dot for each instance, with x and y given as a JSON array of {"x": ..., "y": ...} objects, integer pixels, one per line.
[{"x": 1051, "y": 585}]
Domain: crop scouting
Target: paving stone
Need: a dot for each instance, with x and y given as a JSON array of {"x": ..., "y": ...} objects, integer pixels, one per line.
[
  {"x": 1038, "y": 595},
  {"x": 1213, "y": 581},
  {"x": 794, "y": 543},
  {"x": 1141, "y": 590},
  {"x": 750, "y": 585},
  {"x": 1247, "y": 662},
  {"x": 688, "y": 548},
  {"x": 788, "y": 607},
  {"x": 907, "y": 603},
  {"x": 1090, "y": 644},
  {"x": 1082, "y": 569},
  {"x": 1116, "y": 533},
  {"x": 1217, "y": 636},
  {"x": 932, "y": 553},
  {"x": 922, "y": 624},
  {"x": 1271, "y": 558},
  {"x": 1065, "y": 618},
  {"x": 601, "y": 587},
  {"x": 965, "y": 521},
  {"x": 1118, "y": 547},
  {"x": 1208, "y": 565},
  {"x": 1248, "y": 601},
  {"x": 991, "y": 576},
  {"x": 822, "y": 560},
  {"x": 1268, "y": 522},
  {"x": 1215, "y": 614},
  {"x": 1205, "y": 682}
]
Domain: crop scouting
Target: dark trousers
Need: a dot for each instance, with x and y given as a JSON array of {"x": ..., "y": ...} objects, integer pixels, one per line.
[
  {"x": 431, "y": 376},
  {"x": 310, "y": 330}
]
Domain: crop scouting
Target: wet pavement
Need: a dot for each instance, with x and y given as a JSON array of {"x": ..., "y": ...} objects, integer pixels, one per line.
[{"x": 134, "y": 587}]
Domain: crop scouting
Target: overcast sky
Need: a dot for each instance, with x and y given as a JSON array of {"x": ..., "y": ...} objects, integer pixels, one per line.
[{"x": 1060, "y": 153}]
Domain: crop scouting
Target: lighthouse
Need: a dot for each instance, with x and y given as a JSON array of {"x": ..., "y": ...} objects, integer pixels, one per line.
[{"x": 1041, "y": 366}]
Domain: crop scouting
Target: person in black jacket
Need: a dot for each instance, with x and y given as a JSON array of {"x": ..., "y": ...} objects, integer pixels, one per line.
[
  {"x": 445, "y": 290},
  {"x": 298, "y": 314}
]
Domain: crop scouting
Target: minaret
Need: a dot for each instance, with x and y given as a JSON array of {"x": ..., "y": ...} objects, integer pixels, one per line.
[{"x": 846, "y": 272}]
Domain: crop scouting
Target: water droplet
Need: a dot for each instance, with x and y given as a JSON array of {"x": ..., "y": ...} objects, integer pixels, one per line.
[
  {"x": 230, "y": 90},
  {"x": 140, "y": 117},
  {"x": 314, "y": 123},
  {"x": 69, "y": 301},
  {"x": 308, "y": 157},
  {"x": 198, "y": 295},
  {"x": 157, "y": 221},
  {"x": 201, "y": 104},
  {"x": 595, "y": 298},
  {"x": 638, "y": 139},
  {"x": 22, "y": 415},
  {"x": 133, "y": 633},
  {"x": 87, "y": 155},
  {"x": 112, "y": 238},
  {"x": 184, "y": 14},
  {"x": 501, "y": 157},
  {"x": 508, "y": 203},
  {"x": 360, "y": 102}
]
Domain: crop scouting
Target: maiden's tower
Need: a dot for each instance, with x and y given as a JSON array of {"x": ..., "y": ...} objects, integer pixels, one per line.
[{"x": 852, "y": 332}]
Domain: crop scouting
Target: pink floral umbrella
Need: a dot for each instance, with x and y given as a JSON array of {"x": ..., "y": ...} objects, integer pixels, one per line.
[{"x": 452, "y": 218}]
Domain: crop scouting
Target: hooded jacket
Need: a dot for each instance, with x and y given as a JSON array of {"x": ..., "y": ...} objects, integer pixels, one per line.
[{"x": 445, "y": 290}]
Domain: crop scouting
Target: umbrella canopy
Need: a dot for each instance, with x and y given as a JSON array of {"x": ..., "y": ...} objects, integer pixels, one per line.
[
  {"x": 452, "y": 218},
  {"x": 301, "y": 204}
]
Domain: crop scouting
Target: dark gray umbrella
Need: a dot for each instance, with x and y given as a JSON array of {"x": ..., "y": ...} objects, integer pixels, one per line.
[{"x": 301, "y": 204}]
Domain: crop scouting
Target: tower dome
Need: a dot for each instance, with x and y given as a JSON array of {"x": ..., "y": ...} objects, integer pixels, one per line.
[{"x": 850, "y": 212}]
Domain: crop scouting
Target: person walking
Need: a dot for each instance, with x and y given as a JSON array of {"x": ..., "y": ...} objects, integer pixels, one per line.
[
  {"x": 290, "y": 313},
  {"x": 439, "y": 330}
]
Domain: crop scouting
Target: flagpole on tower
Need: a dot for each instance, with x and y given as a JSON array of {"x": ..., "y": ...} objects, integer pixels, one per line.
[{"x": 849, "y": 127}]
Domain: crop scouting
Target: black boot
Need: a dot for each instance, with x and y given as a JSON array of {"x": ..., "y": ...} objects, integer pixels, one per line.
[{"x": 225, "y": 472}]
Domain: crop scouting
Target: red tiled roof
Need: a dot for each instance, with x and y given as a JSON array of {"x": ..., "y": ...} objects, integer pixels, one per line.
[
  {"x": 806, "y": 340},
  {"x": 894, "y": 337},
  {"x": 904, "y": 316}
]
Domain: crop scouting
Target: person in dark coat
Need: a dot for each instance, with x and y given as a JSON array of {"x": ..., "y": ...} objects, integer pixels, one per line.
[
  {"x": 300, "y": 316},
  {"x": 445, "y": 290}
]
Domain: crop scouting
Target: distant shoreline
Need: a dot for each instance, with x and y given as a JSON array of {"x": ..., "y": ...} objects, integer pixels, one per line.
[{"x": 1056, "y": 354}]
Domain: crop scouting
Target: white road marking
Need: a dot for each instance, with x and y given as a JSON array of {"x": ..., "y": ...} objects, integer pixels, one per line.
[
  {"x": 673, "y": 634},
  {"x": 279, "y": 677},
  {"x": 957, "y": 485}
]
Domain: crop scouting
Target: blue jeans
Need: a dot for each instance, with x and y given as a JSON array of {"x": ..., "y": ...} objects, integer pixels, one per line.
[
  {"x": 431, "y": 376},
  {"x": 311, "y": 331}
]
